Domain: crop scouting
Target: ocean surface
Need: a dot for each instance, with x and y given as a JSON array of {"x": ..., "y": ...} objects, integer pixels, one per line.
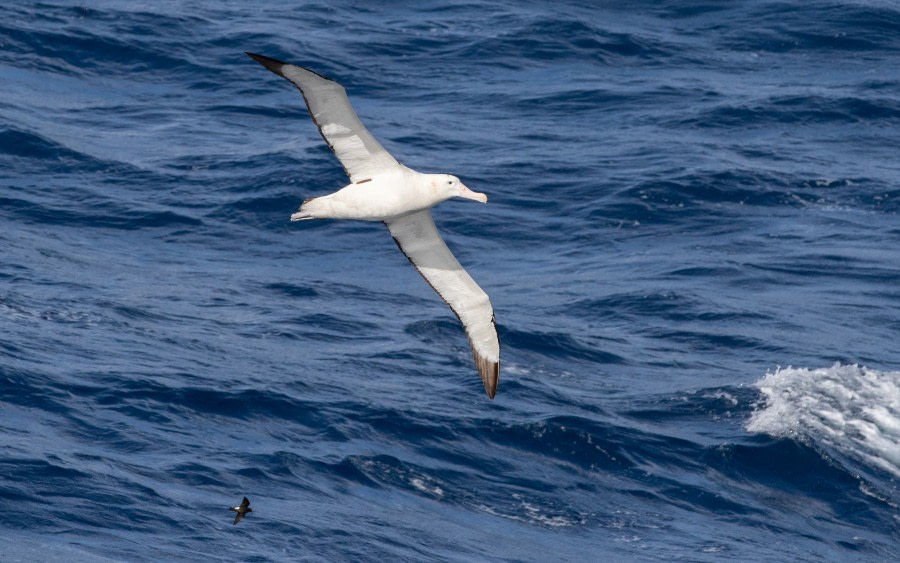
[{"x": 692, "y": 246}]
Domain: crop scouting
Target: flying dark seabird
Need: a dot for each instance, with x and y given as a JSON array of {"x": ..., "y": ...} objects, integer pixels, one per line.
[{"x": 241, "y": 510}]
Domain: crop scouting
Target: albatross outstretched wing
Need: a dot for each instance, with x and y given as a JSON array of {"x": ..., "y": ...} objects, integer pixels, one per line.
[
  {"x": 420, "y": 241},
  {"x": 360, "y": 154}
]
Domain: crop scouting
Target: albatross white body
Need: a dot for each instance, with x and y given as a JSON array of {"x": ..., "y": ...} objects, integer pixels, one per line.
[{"x": 382, "y": 189}]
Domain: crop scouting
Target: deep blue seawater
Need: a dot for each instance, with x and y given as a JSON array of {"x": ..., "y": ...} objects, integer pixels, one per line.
[{"x": 692, "y": 246}]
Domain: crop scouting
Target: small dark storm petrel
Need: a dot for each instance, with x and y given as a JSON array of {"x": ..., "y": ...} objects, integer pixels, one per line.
[{"x": 241, "y": 510}]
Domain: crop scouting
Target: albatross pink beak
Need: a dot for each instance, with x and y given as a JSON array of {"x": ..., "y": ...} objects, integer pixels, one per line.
[{"x": 469, "y": 194}]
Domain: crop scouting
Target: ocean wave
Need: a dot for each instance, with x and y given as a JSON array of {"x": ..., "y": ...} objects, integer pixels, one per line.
[
  {"x": 679, "y": 194},
  {"x": 103, "y": 215},
  {"x": 667, "y": 305},
  {"x": 706, "y": 201},
  {"x": 848, "y": 409},
  {"x": 84, "y": 41},
  {"x": 27, "y": 148},
  {"x": 527, "y": 38},
  {"x": 816, "y": 26},
  {"x": 806, "y": 110},
  {"x": 557, "y": 344}
]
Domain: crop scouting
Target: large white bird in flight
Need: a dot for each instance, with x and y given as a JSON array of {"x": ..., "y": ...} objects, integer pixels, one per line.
[{"x": 382, "y": 189}]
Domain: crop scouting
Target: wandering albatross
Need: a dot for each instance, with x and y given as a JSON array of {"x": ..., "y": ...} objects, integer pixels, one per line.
[{"x": 382, "y": 189}]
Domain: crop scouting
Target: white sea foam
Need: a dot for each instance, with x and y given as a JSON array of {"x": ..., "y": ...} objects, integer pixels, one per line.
[
  {"x": 530, "y": 514},
  {"x": 423, "y": 485},
  {"x": 855, "y": 410}
]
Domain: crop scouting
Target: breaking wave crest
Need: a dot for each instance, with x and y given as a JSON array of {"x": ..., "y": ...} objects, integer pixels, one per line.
[{"x": 852, "y": 410}]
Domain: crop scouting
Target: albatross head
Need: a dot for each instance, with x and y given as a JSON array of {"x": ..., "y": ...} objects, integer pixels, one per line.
[{"x": 450, "y": 186}]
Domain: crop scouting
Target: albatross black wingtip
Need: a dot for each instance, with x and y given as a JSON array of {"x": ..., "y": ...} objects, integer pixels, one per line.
[
  {"x": 272, "y": 64},
  {"x": 490, "y": 375},
  {"x": 491, "y": 387}
]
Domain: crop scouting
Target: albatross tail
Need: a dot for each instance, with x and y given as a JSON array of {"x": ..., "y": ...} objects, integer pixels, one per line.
[{"x": 303, "y": 214}]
